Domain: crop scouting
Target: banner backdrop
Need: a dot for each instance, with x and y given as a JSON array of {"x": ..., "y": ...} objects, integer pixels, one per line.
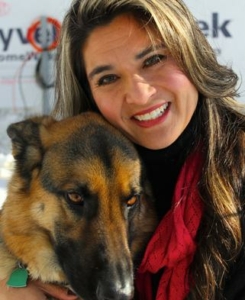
[
  {"x": 22, "y": 38},
  {"x": 21, "y": 42},
  {"x": 223, "y": 23}
]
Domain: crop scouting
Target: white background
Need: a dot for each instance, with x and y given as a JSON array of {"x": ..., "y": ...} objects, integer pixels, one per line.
[{"x": 20, "y": 94}]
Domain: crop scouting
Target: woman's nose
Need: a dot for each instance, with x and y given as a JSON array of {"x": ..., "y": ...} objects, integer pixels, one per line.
[{"x": 138, "y": 90}]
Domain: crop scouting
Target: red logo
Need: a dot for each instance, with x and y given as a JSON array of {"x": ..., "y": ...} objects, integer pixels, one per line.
[
  {"x": 34, "y": 35},
  {"x": 4, "y": 8}
]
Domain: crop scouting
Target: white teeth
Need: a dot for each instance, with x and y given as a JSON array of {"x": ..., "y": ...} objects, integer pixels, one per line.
[{"x": 153, "y": 114}]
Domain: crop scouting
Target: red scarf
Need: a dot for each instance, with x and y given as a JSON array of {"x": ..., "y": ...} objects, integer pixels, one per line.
[{"x": 173, "y": 246}]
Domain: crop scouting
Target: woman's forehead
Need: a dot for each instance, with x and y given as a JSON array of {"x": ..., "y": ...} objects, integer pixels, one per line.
[{"x": 122, "y": 32}]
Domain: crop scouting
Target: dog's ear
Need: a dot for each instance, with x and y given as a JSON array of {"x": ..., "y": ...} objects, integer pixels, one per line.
[{"x": 27, "y": 148}]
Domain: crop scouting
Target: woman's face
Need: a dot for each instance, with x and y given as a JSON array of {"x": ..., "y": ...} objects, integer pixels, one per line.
[{"x": 139, "y": 89}]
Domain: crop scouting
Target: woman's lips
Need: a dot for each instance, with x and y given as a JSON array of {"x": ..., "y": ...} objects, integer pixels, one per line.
[{"x": 152, "y": 115}]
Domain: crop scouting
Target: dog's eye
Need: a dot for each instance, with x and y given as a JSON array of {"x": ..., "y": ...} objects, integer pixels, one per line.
[
  {"x": 133, "y": 200},
  {"x": 74, "y": 197}
]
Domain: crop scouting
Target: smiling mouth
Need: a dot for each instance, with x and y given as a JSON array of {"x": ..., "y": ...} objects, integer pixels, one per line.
[{"x": 153, "y": 114}]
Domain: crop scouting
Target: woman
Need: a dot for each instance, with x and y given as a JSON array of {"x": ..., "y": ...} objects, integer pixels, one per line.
[{"x": 148, "y": 69}]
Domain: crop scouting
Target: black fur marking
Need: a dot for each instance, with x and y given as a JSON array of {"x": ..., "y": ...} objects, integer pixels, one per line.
[{"x": 27, "y": 148}]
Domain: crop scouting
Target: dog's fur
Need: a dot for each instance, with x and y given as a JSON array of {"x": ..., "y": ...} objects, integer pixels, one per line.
[{"x": 79, "y": 210}]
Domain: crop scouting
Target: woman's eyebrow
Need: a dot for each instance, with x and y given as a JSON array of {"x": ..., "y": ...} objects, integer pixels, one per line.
[
  {"x": 148, "y": 50},
  {"x": 99, "y": 69}
]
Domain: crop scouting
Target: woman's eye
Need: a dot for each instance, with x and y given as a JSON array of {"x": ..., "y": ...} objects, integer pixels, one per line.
[
  {"x": 153, "y": 60},
  {"x": 74, "y": 197},
  {"x": 107, "y": 79}
]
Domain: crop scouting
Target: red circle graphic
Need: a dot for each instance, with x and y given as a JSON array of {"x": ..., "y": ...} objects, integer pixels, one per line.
[{"x": 35, "y": 26}]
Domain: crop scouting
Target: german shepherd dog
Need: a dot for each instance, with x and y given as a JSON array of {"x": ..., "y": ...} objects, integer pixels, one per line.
[{"x": 79, "y": 210}]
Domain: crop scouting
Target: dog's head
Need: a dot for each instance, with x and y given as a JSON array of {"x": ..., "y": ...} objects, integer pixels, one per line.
[{"x": 79, "y": 207}]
